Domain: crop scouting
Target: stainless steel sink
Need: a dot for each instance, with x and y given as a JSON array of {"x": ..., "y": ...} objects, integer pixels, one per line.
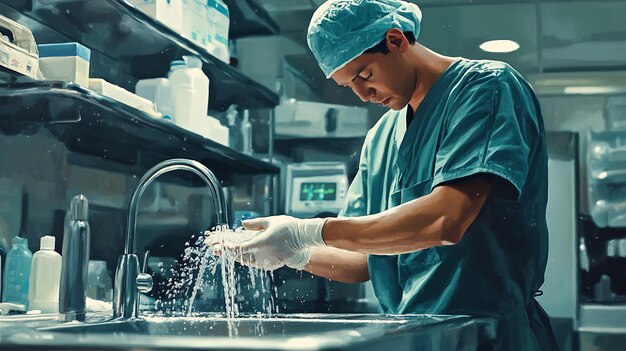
[
  {"x": 362, "y": 332},
  {"x": 241, "y": 327}
]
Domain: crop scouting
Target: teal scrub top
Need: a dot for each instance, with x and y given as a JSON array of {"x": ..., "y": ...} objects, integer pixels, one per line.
[{"x": 479, "y": 117}]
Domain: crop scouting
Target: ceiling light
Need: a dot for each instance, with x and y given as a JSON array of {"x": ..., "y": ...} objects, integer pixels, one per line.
[
  {"x": 499, "y": 46},
  {"x": 593, "y": 90}
]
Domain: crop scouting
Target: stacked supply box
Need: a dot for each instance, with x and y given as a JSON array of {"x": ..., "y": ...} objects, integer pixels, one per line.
[
  {"x": 194, "y": 21},
  {"x": 65, "y": 61},
  {"x": 168, "y": 12},
  {"x": 218, "y": 25}
]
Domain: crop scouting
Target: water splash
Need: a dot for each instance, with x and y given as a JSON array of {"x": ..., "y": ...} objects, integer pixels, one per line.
[{"x": 191, "y": 273}]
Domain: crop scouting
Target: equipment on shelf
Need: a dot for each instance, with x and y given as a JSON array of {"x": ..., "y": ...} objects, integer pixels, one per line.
[
  {"x": 18, "y": 49},
  {"x": 306, "y": 119},
  {"x": 315, "y": 188}
]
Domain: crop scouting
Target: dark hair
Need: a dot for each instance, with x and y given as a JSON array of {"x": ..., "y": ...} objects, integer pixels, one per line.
[{"x": 381, "y": 48}]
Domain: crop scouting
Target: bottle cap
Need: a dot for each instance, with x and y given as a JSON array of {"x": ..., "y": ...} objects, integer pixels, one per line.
[
  {"x": 18, "y": 241},
  {"x": 193, "y": 61},
  {"x": 78, "y": 208},
  {"x": 46, "y": 242},
  {"x": 178, "y": 63}
]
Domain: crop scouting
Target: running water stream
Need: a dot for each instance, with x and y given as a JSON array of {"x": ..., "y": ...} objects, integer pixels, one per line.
[{"x": 198, "y": 266}]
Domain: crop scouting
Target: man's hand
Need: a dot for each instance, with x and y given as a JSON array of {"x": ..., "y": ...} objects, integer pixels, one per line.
[{"x": 282, "y": 240}]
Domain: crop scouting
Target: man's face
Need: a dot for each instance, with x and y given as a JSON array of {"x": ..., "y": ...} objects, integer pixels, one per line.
[{"x": 379, "y": 78}]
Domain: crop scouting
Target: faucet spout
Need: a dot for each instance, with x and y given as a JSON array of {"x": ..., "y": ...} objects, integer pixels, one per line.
[
  {"x": 126, "y": 302},
  {"x": 177, "y": 164}
]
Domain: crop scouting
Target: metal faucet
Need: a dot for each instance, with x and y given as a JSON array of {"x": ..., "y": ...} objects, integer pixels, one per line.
[{"x": 128, "y": 278}]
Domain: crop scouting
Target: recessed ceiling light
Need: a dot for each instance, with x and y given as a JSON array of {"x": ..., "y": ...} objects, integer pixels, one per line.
[
  {"x": 499, "y": 46},
  {"x": 593, "y": 90}
]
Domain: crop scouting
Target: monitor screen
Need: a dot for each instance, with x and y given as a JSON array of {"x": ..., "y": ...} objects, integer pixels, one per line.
[{"x": 318, "y": 192}]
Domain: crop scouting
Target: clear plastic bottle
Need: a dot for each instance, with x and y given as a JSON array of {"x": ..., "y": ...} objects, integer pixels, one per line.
[
  {"x": 246, "y": 133},
  {"x": 45, "y": 275},
  {"x": 190, "y": 93},
  {"x": 17, "y": 272}
]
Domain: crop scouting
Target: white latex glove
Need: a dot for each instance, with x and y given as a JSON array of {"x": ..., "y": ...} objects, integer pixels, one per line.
[
  {"x": 300, "y": 259},
  {"x": 283, "y": 240}
]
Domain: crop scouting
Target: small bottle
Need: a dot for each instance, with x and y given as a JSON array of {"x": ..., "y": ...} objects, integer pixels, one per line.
[
  {"x": 45, "y": 275},
  {"x": 234, "y": 134},
  {"x": 17, "y": 272},
  {"x": 246, "y": 133}
]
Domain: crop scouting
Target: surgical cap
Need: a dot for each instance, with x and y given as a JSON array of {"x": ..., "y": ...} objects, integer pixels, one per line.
[{"x": 341, "y": 30}]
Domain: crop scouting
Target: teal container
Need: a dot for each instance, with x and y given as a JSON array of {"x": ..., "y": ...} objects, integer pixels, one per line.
[{"x": 17, "y": 272}]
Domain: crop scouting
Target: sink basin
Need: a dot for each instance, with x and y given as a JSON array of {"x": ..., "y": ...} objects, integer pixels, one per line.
[
  {"x": 362, "y": 332},
  {"x": 241, "y": 327}
]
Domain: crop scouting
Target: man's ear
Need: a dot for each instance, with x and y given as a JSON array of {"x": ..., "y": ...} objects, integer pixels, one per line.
[{"x": 396, "y": 40}]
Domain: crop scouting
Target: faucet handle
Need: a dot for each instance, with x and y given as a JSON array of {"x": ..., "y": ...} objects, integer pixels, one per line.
[
  {"x": 144, "y": 280},
  {"x": 144, "y": 283}
]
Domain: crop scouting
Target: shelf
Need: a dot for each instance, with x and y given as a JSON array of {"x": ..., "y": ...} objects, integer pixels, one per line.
[
  {"x": 248, "y": 18},
  {"x": 91, "y": 124},
  {"x": 327, "y": 139},
  {"x": 128, "y": 45},
  {"x": 602, "y": 318}
]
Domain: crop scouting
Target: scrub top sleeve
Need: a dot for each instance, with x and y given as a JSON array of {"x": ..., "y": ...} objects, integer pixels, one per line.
[
  {"x": 489, "y": 130},
  {"x": 355, "y": 203}
]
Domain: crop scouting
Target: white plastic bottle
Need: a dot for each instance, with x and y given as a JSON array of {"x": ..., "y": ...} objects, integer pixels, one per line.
[
  {"x": 190, "y": 94},
  {"x": 156, "y": 90},
  {"x": 45, "y": 275}
]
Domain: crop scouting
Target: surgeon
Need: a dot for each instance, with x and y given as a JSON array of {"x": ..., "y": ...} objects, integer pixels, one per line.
[{"x": 447, "y": 213}]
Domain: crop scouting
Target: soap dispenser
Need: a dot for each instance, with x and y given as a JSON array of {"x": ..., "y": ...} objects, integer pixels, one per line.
[
  {"x": 75, "y": 262},
  {"x": 17, "y": 272},
  {"x": 45, "y": 275}
]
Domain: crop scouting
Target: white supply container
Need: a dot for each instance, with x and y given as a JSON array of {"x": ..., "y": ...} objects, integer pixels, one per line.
[
  {"x": 194, "y": 21},
  {"x": 45, "y": 275},
  {"x": 190, "y": 94},
  {"x": 65, "y": 61},
  {"x": 218, "y": 19},
  {"x": 168, "y": 12},
  {"x": 158, "y": 91},
  {"x": 215, "y": 131},
  {"x": 305, "y": 119},
  {"x": 122, "y": 95},
  {"x": 19, "y": 55}
]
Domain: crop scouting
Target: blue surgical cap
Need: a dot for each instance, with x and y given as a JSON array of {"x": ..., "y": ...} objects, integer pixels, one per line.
[{"x": 341, "y": 30}]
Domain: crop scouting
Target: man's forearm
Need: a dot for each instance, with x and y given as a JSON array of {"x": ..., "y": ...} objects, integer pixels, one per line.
[
  {"x": 402, "y": 229},
  {"x": 339, "y": 265},
  {"x": 439, "y": 218}
]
